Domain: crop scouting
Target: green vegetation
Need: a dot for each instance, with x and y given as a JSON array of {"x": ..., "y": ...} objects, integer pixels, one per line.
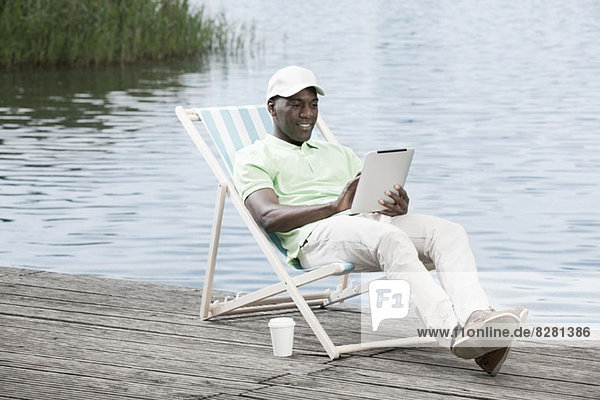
[{"x": 94, "y": 32}]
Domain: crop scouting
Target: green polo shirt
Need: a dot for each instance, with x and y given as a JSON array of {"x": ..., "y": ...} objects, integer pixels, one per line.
[{"x": 314, "y": 173}]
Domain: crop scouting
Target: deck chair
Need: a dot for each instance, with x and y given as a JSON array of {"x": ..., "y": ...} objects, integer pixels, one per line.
[{"x": 230, "y": 129}]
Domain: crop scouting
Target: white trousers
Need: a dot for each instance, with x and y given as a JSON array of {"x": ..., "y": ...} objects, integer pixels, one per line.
[{"x": 398, "y": 246}]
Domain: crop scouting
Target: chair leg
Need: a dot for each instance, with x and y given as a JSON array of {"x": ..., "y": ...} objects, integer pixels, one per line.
[
  {"x": 350, "y": 291},
  {"x": 212, "y": 252},
  {"x": 253, "y": 298},
  {"x": 311, "y": 319},
  {"x": 343, "y": 284},
  {"x": 284, "y": 277}
]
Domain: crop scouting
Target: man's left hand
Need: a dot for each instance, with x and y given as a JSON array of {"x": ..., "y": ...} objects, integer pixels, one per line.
[{"x": 398, "y": 204}]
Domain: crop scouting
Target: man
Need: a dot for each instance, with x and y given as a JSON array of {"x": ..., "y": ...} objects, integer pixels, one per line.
[{"x": 302, "y": 190}]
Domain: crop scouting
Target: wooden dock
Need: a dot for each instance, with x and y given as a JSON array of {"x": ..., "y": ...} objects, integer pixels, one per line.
[{"x": 83, "y": 337}]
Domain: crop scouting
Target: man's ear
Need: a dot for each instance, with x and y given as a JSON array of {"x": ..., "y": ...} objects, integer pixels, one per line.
[{"x": 271, "y": 107}]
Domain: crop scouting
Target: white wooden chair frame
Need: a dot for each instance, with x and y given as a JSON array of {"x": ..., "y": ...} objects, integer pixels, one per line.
[{"x": 266, "y": 299}]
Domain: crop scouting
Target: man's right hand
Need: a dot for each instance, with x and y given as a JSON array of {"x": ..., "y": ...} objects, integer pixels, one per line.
[
  {"x": 344, "y": 201},
  {"x": 274, "y": 217}
]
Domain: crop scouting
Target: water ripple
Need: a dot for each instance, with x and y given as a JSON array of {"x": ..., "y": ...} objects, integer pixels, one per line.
[{"x": 501, "y": 101}]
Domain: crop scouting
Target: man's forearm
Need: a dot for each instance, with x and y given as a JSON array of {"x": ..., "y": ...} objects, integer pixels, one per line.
[
  {"x": 274, "y": 217},
  {"x": 284, "y": 218}
]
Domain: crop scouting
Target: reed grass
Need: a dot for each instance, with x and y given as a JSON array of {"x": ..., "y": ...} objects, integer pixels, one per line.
[{"x": 93, "y": 32}]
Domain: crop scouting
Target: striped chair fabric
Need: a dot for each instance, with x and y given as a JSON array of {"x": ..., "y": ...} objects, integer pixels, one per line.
[{"x": 243, "y": 125}]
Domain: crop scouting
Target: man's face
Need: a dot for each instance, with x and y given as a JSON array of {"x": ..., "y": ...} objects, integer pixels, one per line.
[{"x": 294, "y": 117}]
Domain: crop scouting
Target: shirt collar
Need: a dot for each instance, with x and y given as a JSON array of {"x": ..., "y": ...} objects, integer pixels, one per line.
[{"x": 279, "y": 142}]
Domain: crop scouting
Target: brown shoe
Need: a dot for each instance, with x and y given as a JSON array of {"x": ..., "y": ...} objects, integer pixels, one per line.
[
  {"x": 468, "y": 347},
  {"x": 492, "y": 362}
]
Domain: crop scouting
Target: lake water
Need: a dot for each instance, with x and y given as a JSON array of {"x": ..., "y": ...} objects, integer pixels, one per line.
[{"x": 501, "y": 101}]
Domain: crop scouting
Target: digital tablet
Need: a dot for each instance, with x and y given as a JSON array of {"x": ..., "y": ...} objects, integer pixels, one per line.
[{"x": 381, "y": 171}]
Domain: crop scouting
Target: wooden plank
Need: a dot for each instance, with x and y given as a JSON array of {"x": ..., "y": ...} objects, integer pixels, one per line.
[
  {"x": 53, "y": 330},
  {"x": 299, "y": 388},
  {"x": 556, "y": 367},
  {"x": 344, "y": 332},
  {"x": 36, "y": 384},
  {"x": 40, "y": 294},
  {"x": 590, "y": 353},
  {"x": 371, "y": 389},
  {"x": 87, "y": 284},
  {"x": 237, "y": 329},
  {"x": 399, "y": 385},
  {"x": 148, "y": 373},
  {"x": 465, "y": 375},
  {"x": 96, "y": 285},
  {"x": 69, "y": 336},
  {"x": 27, "y": 389},
  {"x": 213, "y": 332},
  {"x": 179, "y": 357},
  {"x": 21, "y": 293}
]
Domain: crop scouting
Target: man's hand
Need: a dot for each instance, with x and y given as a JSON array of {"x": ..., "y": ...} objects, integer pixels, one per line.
[
  {"x": 399, "y": 203},
  {"x": 344, "y": 201},
  {"x": 274, "y": 217},
  {"x": 264, "y": 206}
]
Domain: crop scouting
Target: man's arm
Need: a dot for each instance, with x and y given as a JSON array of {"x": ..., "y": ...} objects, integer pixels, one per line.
[{"x": 274, "y": 217}]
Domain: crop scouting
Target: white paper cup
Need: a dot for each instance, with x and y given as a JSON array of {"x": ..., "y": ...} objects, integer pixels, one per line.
[{"x": 282, "y": 336}]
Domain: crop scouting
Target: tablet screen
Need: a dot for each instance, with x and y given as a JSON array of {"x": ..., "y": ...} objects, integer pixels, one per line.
[{"x": 381, "y": 171}]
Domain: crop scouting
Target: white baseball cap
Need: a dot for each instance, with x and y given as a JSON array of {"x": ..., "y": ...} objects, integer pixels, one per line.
[{"x": 290, "y": 80}]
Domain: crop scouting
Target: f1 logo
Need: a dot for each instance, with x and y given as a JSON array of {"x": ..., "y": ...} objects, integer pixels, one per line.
[{"x": 388, "y": 299}]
